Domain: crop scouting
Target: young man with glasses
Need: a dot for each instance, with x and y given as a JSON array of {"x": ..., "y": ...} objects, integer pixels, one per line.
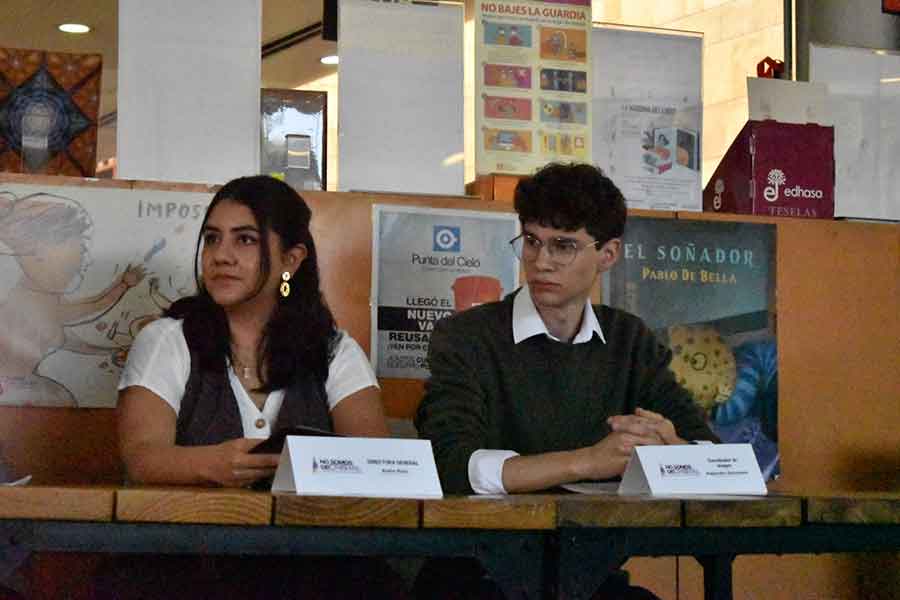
[{"x": 542, "y": 388}]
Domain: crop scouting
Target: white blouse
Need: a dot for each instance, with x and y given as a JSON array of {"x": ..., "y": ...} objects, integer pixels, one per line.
[{"x": 160, "y": 361}]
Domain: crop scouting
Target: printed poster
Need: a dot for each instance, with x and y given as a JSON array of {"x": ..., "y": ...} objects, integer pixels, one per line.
[
  {"x": 533, "y": 90},
  {"x": 707, "y": 290},
  {"x": 647, "y": 116},
  {"x": 82, "y": 271},
  {"x": 428, "y": 264}
]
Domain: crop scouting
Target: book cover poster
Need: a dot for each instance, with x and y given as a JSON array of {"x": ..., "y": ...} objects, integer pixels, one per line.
[
  {"x": 82, "y": 271},
  {"x": 532, "y": 88},
  {"x": 428, "y": 264},
  {"x": 707, "y": 290},
  {"x": 647, "y": 112},
  {"x": 48, "y": 112}
]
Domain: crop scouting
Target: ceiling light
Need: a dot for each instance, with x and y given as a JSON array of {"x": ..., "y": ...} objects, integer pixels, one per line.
[
  {"x": 331, "y": 59},
  {"x": 74, "y": 28}
]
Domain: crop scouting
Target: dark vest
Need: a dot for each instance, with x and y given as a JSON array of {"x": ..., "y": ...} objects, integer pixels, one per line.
[{"x": 209, "y": 411}]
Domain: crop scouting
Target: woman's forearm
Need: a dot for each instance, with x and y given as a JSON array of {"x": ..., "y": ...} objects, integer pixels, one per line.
[{"x": 168, "y": 464}]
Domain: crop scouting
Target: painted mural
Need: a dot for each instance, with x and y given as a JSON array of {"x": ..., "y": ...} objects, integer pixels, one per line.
[{"x": 82, "y": 270}]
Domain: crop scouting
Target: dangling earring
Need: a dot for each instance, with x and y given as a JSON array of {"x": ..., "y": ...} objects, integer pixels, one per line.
[{"x": 285, "y": 288}]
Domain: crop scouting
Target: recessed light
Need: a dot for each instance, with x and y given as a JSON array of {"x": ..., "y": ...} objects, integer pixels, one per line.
[
  {"x": 331, "y": 59},
  {"x": 74, "y": 28}
]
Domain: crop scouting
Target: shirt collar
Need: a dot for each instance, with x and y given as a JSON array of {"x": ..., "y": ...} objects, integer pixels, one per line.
[{"x": 527, "y": 321}]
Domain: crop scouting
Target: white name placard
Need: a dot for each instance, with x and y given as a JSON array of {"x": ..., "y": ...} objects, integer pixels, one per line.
[
  {"x": 693, "y": 469},
  {"x": 345, "y": 466}
]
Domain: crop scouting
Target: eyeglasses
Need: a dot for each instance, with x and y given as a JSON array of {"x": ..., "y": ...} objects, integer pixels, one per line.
[{"x": 562, "y": 250}]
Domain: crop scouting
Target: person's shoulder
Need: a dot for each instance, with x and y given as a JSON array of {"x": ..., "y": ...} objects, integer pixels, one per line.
[
  {"x": 615, "y": 320},
  {"x": 342, "y": 341},
  {"x": 160, "y": 341},
  {"x": 617, "y": 315},
  {"x": 161, "y": 328},
  {"x": 483, "y": 317},
  {"x": 164, "y": 325}
]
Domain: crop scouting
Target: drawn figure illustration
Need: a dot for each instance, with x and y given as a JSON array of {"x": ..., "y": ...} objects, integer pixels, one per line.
[
  {"x": 49, "y": 238},
  {"x": 514, "y": 38},
  {"x": 557, "y": 43}
]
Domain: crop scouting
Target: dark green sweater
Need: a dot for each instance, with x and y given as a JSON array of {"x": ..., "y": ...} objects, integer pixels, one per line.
[{"x": 540, "y": 395}]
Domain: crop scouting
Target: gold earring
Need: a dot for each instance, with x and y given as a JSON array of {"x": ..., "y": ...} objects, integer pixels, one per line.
[{"x": 285, "y": 288}]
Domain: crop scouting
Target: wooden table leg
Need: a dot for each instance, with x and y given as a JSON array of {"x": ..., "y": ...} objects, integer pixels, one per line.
[{"x": 716, "y": 576}]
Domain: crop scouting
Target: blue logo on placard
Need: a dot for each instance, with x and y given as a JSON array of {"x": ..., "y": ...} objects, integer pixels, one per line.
[{"x": 446, "y": 239}]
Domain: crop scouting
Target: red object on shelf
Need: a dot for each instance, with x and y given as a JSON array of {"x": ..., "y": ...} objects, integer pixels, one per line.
[
  {"x": 776, "y": 169},
  {"x": 770, "y": 67}
]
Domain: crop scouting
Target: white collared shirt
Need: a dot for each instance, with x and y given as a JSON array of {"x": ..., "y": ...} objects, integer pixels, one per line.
[
  {"x": 527, "y": 321},
  {"x": 486, "y": 466}
]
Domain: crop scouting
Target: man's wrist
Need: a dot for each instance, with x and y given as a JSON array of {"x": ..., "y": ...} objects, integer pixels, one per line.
[
  {"x": 485, "y": 470},
  {"x": 579, "y": 464}
]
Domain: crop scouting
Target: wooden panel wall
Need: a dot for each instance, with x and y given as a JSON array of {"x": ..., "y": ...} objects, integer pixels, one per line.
[
  {"x": 839, "y": 355},
  {"x": 838, "y": 309}
]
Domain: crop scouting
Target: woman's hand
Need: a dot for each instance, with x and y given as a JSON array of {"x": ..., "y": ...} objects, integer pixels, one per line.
[
  {"x": 147, "y": 427},
  {"x": 229, "y": 464}
]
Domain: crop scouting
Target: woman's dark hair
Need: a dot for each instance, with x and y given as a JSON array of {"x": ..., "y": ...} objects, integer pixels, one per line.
[
  {"x": 299, "y": 335},
  {"x": 571, "y": 196}
]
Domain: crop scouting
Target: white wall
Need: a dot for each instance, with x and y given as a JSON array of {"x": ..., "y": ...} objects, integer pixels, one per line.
[
  {"x": 401, "y": 101},
  {"x": 188, "y": 89}
]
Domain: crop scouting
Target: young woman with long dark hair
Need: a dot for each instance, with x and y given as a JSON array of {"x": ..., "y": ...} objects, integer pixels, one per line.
[{"x": 254, "y": 350}]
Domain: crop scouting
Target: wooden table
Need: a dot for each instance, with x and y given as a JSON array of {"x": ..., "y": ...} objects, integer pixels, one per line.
[
  {"x": 533, "y": 545},
  {"x": 508, "y": 535},
  {"x": 604, "y": 531}
]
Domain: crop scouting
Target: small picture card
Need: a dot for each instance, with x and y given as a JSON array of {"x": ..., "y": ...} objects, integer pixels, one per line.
[
  {"x": 369, "y": 467},
  {"x": 693, "y": 469}
]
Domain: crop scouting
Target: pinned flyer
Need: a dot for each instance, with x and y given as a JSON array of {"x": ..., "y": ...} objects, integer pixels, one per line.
[
  {"x": 729, "y": 469},
  {"x": 369, "y": 467}
]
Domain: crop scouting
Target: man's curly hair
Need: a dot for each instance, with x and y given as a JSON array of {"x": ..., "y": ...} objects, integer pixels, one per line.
[{"x": 571, "y": 196}]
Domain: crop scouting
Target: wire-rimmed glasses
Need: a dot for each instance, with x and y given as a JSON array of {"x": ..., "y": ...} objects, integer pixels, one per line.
[{"x": 562, "y": 250}]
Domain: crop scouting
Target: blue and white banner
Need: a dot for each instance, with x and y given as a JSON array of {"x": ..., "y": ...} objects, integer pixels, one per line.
[{"x": 428, "y": 264}]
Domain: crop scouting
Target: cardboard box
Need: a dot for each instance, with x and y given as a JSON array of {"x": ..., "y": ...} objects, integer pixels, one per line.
[{"x": 776, "y": 169}]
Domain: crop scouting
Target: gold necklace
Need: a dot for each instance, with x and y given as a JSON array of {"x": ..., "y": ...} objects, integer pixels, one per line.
[{"x": 246, "y": 372}]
